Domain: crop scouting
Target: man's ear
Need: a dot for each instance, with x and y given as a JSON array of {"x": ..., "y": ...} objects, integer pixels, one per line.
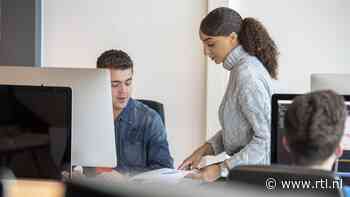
[{"x": 285, "y": 144}]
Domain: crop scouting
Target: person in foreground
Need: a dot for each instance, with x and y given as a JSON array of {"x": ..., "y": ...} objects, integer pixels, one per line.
[
  {"x": 250, "y": 55},
  {"x": 141, "y": 139},
  {"x": 314, "y": 128}
]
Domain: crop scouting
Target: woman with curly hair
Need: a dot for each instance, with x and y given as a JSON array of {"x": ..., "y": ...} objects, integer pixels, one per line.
[{"x": 250, "y": 55}]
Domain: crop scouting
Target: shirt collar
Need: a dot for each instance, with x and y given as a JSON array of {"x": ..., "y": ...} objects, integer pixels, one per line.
[
  {"x": 234, "y": 57},
  {"x": 125, "y": 115}
]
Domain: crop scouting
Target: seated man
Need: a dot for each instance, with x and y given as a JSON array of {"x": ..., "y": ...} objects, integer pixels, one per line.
[
  {"x": 141, "y": 139},
  {"x": 314, "y": 125}
]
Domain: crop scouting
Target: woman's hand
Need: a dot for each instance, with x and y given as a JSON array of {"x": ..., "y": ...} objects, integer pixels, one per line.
[
  {"x": 210, "y": 173},
  {"x": 194, "y": 159}
]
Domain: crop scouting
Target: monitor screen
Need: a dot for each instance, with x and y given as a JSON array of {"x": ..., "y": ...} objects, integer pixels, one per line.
[
  {"x": 279, "y": 155},
  {"x": 35, "y": 130}
]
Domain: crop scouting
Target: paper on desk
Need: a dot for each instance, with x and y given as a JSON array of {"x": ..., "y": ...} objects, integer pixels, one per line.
[
  {"x": 113, "y": 176},
  {"x": 164, "y": 175},
  {"x": 212, "y": 159}
]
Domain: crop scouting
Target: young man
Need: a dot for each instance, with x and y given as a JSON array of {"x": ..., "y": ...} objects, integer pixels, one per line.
[
  {"x": 141, "y": 139},
  {"x": 314, "y": 125}
]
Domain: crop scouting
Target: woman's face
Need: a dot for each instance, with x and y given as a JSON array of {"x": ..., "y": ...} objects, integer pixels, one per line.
[{"x": 218, "y": 47}]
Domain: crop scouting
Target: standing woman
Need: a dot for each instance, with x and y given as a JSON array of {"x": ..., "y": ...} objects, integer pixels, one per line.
[{"x": 250, "y": 55}]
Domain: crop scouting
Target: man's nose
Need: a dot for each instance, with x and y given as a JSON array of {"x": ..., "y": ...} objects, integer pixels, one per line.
[{"x": 123, "y": 88}]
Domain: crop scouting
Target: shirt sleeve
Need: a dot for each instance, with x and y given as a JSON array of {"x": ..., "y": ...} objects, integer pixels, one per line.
[
  {"x": 255, "y": 102},
  {"x": 157, "y": 146},
  {"x": 216, "y": 143}
]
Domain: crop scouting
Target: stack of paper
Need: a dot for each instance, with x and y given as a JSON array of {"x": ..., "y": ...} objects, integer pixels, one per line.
[{"x": 164, "y": 175}]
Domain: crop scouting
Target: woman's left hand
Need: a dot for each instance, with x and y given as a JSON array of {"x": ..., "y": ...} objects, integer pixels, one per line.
[{"x": 209, "y": 173}]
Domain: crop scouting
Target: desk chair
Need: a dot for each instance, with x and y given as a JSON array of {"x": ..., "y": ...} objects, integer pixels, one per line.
[
  {"x": 264, "y": 176},
  {"x": 156, "y": 106}
]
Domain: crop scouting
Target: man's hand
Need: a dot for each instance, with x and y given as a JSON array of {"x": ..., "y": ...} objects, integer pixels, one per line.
[
  {"x": 209, "y": 173},
  {"x": 77, "y": 173}
]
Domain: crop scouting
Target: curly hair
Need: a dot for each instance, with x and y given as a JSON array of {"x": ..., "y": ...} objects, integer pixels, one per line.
[
  {"x": 257, "y": 42},
  {"x": 314, "y": 125},
  {"x": 252, "y": 35},
  {"x": 114, "y": 59}
]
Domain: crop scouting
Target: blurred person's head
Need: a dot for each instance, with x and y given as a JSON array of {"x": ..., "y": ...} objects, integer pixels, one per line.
[
  {"x": 314, "y": 125},
  {"x": 121, "y": 68}
]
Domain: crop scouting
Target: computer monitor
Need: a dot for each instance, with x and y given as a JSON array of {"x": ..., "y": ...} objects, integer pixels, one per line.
[
  {"x": 337, "y": 82},
  {"x": 35, "y": 130},
  {"x": 279, "y": 155},
  {"x": 93, "y": 135}
]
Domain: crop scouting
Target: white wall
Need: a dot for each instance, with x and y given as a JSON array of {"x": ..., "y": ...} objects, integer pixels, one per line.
[
  {"x": 311, "y": 35},
  {"x": 217, "y": 78},
  {"x": 162, "y": 39}
]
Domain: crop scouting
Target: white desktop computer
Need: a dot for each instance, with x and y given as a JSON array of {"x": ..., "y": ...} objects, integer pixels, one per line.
[
  {"x": 337, "y": 82},
  {"x": 93, "y": 135}
]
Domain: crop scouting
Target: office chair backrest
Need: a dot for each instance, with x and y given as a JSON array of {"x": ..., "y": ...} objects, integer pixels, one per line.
[
  {"x": 288, "y": 179},
  {"x": 156, "y": 106}
]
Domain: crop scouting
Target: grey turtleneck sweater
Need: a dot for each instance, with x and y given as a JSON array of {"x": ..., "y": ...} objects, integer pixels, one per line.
[{"x": 245, "y": 111}]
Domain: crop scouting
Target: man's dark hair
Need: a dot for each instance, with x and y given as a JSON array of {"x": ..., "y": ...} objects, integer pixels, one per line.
[
  {"x": 114, "y": 59},
  {"x": 252, "y": 35},
  {"x": 314, "y": 125}
]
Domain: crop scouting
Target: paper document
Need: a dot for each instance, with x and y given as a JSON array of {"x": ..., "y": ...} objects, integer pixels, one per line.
[
  {"x": 212, "y": 159},
  {"x": 164, "y": 175}
]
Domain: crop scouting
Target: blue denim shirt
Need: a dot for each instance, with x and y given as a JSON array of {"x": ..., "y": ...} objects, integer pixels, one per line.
[
  {"x": 346, "y": 190},
  {"x": 141, "y": 140}
]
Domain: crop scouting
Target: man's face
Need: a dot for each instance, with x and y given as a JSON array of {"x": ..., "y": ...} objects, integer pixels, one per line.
[{"x": 121, "y": 87}]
